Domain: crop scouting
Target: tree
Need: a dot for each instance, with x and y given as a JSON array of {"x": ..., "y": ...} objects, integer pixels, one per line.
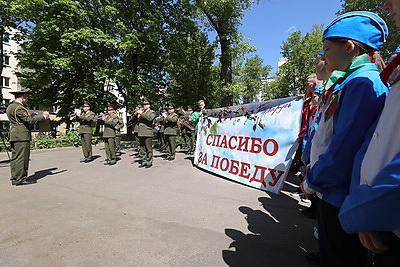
[
  {"x": 157, "y": 49},
  {"x": 9, "y": 19},
  {"x": 224, "y": 17},
  {"x": 252, "y": 78},
  {"x": 376, "y": 7},
  {"x": 300, "y": 52},
  {"x": 67, "y": 52}
]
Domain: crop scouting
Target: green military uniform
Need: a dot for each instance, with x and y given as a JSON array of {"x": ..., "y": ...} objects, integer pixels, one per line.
[
  {"x": 21, "y": 123},
  {"x": 118, "y": 128},
  {"x": 187, "y": 127},
  {"x": 170, "y": 132},
  {"x": 135, "y": 121},
  {"x": 146, "y": 134},
  {"x": 110, "y": 122},
  {"x": 157, "y": 129},
  {"x": 140, "y": 147},
  {"x": 86, "y": 121}
]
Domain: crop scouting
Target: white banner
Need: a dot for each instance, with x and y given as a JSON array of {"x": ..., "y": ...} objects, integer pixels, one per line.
[{"x": 253, "y": 144}]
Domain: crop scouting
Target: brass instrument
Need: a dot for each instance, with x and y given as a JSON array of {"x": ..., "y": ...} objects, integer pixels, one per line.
[{"x": 186, "y": 121}]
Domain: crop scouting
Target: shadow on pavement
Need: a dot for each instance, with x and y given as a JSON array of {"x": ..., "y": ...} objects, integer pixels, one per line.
[
  {"x": 4, "y": 163},
  {"x": 43, "y": 173},
  {"x": 279, "y": 235}
]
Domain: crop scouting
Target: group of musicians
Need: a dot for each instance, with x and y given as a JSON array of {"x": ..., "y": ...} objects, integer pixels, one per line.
[
  {"x": 145, "y": 125},
  {"x": 144, "y": 122},
  {"x": 166, "y": 127}
]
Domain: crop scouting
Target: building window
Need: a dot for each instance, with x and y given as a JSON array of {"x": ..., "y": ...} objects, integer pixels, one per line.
[
  {"x": 6, "y": 60},
  {"x": 6, "y": 81},
  {"x": 35, "y": 127},
  {"x": 6, "y": 38}
]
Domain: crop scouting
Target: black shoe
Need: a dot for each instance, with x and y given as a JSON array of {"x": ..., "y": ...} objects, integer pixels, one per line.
[
  {"x": 171, "y": 158},
  {"x": 149, "y": 166},
  {"x": 313, "y": 258},
  {"x": 82, "y": 160},
  {"x": 143, "y": 164}
]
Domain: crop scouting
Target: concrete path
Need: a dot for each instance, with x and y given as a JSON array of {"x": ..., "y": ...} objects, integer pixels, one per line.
[{"x": 172, "y": 214}]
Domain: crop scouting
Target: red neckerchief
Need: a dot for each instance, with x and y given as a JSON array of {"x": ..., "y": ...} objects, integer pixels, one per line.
[
  {"x": 385, "y": 74},
  {"x": 331, "y": 89}
]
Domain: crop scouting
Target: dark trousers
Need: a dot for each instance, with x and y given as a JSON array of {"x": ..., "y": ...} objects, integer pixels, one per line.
[
  {"x": 147, "y": 146},
  {"x": 86, "y": 141},
  {"x": 109, "y": 145},
  {"x": 390, "y": 258},
  {"x": 190, "y": 141},
  {"x": 337, "y": 248},
  {"x": 118, "y": 143},
  {"x": 19, "y": 160},
  {"x": 171, "y": 145}
]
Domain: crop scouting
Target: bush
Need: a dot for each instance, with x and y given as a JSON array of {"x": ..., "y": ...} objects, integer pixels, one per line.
[
  {"x": 41, "y": 141},
  {"x": 71, "y": 138}
]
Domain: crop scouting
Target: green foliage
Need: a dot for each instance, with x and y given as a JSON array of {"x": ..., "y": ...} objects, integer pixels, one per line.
[
  {"x": 4, "y": 148},
  {"x": 251, "y": 78},
  {"x": 71, "y": 138},
  {"x": 376, "y": 7},
  {"x": 157, "y": 49},
  {"x": 300, "y": 53},
  {"x": 224, "y": 17}
]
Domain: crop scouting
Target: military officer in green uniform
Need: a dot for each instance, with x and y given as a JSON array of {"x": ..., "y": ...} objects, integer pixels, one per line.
[
  {"x": 146, "y": 117},
  {"x": 189, "y": 126},
  {"x": 110, "y": 121},
  {"x": 118, "y": 128},
  {"x": 86, "y": 120},
  {"x": 21, "y": 121},
  {"x": 171, "y": 130},
  {"x": 135, "y": 121}
]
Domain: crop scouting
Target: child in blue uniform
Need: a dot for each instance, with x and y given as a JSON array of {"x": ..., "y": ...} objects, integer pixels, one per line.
[
  {"x": 372, "y": 208},
  {"x": 351, "y": 105}
]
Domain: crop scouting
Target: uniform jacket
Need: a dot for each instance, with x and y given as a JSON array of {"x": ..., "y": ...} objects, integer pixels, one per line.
[
  {"x": 85, "y": 122},
  {"x": 119, "y": 126},
  {"x": 21, "y": 122},
  {"x": 146, "y": 123},
  {"x": 109, "y": 125},
  {"x": 374, "y": 199},
  {"x": 170, "y": 126},
  {"x": 359, "y": 100},
  {"x": 135, "y": 122}
]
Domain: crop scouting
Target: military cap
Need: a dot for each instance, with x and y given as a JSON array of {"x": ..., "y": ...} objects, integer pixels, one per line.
[
  {"x": 145, "y": 101},
  {"x": 23, "y": 91},
  {"x": 86, "y": 103},
  {"x": 109, "y": 105}
]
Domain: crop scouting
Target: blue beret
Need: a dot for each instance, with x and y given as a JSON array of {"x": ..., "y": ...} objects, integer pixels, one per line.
[
  {"x": 397, "y": 51},
  {"x": 321, "y": 52},
  {"x": 362, "y": 26},
  {"x": 319, "y": 89}
]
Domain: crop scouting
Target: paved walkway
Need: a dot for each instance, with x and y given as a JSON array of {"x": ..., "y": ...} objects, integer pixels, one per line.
[{"x": 172, "y": 214}]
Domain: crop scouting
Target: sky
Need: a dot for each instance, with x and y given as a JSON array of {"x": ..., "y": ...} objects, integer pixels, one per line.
[{"x": 271, "y": 22}]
